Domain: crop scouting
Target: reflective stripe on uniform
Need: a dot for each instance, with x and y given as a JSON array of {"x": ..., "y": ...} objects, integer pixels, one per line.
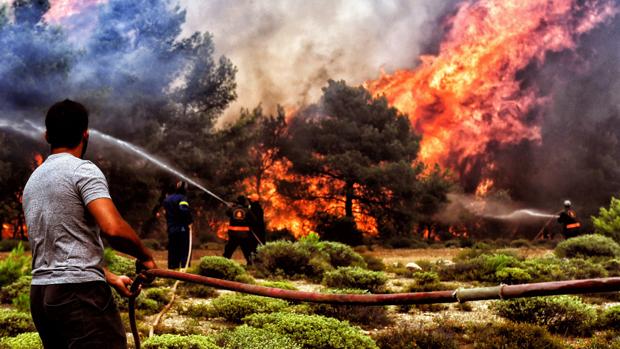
[
  {"x": 573, "y": 226},
  {"x": 183, "y": 203},
  {"x": 233, "y": 228}
]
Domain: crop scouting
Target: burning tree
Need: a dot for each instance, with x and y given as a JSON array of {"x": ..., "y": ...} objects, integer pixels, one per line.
[{"x": 354, "y": 151}]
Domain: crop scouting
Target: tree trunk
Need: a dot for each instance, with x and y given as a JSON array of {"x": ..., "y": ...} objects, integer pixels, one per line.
[{"x": 348, "y": 205}]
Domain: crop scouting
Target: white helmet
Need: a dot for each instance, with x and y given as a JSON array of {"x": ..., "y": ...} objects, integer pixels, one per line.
[{"x": 567, "y": 203}]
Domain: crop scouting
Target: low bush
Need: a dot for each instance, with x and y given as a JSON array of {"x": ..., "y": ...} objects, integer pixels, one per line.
[
  {"x": 235, "y": 306},
  {"x": 545, "y": 269},
  {"x": 604, "y": 340},
  {"x": 354, "y": 277},
  {"x": 14, "y": 266},
  {"x": 405, "y": 242},
  {"x": 313, "y": 331},
  {"x": 482, "y": 267},
  {"x": 13, "y": 323},
  {"x": 512, "y": 335},
  {"x": 559, "y": 314},
  {"x": 587, "y": 246},
  {"x": 196, "y": 310},
  {"x": 13, "y": 290},
  {"x": 284, "y": 285},
  {"x": 290, "y": 259},
  {"x": 610, "y": 318},
  {"x": 521, "y": 243},
  {"x": 512, "y": 276},
  {"x": 612, "y": 266},
  {"x": 223, "y": 268},
  {"x": 173, "y": 341},
  {"x": 365, "y": 316},
  {"x": 578, "y": 268},
  {"x": 409, "y": 337},
  {"x": 118, "y": 264},
  {"x": 190, "y": 289},
  {"x": 247, "y": 337},
  {"x": 158, "y": 294},
  {"x": 340, "y": 255},
  {"x": 28, "y": 340}
]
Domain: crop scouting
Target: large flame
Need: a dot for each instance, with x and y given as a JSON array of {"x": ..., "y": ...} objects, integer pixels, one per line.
[{"x": 468, "y": 96}]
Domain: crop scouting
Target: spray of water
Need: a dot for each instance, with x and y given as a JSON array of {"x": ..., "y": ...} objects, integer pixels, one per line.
[
  {"x": 34, "y": 131},
  {"x": 152, "y": 159},
  {"x": 521, "y": 214}
]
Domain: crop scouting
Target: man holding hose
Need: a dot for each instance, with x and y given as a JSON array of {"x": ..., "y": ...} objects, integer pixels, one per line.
[{"x": 68, "y": 208}]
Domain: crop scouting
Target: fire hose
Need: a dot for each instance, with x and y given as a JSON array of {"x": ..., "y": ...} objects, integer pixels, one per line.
[{"x": 459, "y": 295}]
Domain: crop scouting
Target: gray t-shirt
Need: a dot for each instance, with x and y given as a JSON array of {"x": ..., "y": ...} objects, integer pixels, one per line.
[{"x": 65, "y": 241}]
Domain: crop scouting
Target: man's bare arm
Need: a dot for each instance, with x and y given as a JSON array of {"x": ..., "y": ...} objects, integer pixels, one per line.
[{"x": 118, "y": 232}]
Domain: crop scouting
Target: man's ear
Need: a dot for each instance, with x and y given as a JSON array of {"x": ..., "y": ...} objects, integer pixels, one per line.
[{"x": 86, "y": 134}]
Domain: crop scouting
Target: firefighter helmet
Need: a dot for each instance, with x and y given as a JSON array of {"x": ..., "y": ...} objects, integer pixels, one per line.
[{"x": 567, "y": 203}]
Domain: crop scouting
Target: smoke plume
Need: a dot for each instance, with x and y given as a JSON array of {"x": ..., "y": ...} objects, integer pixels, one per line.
[{"x": 287, "y": 50}]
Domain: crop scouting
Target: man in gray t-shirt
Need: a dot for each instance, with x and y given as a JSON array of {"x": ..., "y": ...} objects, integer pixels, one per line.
[{"x": 67, "y": 208}]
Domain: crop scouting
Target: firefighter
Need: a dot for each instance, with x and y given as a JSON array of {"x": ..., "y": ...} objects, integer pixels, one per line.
[
  {"x": 259, "y": 220},
  {"x": 179, "y": 220},
  {"x": 239, "y": 229},
  {"x": 570, "y": 224}
]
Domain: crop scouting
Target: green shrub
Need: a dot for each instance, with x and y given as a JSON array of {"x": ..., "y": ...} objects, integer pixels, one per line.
[
  {"x": 521, "y": 243},
  {"x": 354, "y": 277},
  {"x": 546, "y": 269},
  {"x": 247, "y": 337},
  {"x": 28, "y": 340},
  {"x": 409, "y": 337},
  {"x": 290, "y": 259},
  {"x": 341, "y": 255},
  {"x": 608, "y": 220},
  {"x": 586, "y": 246},
  {"x": 173, "y": 341},
  {"x": 190, "y": 289},
  {"x": 14, "y": 266},
  {"x": 223, "y": 268},
  {"x": 604, "y": 340},
  {"x": 610, "y": 319},
  {"x": 511, "y": 335},
  {"x": 144, "y": 305},
  {"x": 578, "y": 268},
  {"x": 13, "y": 323},
  {"x": 426, "y": 277},
  {"x": 158, "y": 294},
  {"x": 196, "y": 310},
  {"x": 612, "y": 266},
  {"x": 512, "y": 276},
  {"x": 483, "y": 267},
  {"x": 13, "y": 290},
  {"x": 559, "y": 314},
  {"x": 284, "y": 285},
  {"x": 312, "y": 331},
  {"x": 362, "y": 315},
  {"x": 22, "y": 302},
  {"x": 118, "y": 264},
  {"x": 235, "y": 306},
  {"x": 373, "y": 263}
]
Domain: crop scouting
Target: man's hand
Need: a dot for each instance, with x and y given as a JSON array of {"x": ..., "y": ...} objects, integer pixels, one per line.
[{"x": 120, "y": 283}]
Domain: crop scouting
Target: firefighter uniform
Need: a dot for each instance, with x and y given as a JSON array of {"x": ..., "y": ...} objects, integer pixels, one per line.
[
  {"x": 178, "y": 217},
  {"x": 570, "y": 224},
  {"x": 239, "y": 230}
]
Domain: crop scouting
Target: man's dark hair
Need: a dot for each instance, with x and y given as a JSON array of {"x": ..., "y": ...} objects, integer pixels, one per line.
[{"x": 66, "y": 122}]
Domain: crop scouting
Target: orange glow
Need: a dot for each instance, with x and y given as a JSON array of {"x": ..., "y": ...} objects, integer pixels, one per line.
[
  {"x": 62, "y": 9},
  {"x": 7, "y": 231},
  {"x": 299, "y": 216},
  {"x": 468, "y": 96},
  {"x": 483, "y": 188}
]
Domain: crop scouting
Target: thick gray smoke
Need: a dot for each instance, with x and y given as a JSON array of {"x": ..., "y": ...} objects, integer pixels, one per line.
[{"x": 287, "y": 50}]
